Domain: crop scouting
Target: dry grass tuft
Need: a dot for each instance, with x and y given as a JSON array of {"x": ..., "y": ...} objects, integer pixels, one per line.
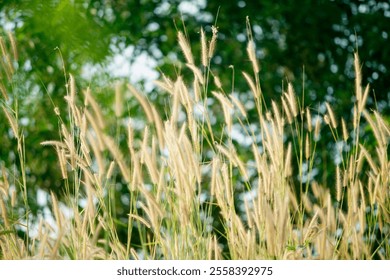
[{"x": 190, "y": 191}]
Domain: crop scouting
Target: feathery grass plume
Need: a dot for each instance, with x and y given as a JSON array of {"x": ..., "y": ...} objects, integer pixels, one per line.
[
  {"x": 373, "y": 166},
  {"x": 227, "y": 106},
  {"x": 252, "y": 85},
  {"x": 185, "y": 47},
  {"x": 203, "y": 44},
  {"x": 13, "y": 198},
  {"x": 338, "y": 184},
  {"x": 174, "y": 114},
  {"x": 152, "y": 208},
  {"x": 345, "y": 131},
  {"x": 231, "y": 154},
  {"x": 197, "y": 90},
  {"x": 309, "y": 120},
  {"x": 287, "y": 161},
  {"x": 118, "y": 100},
  {"x": 6, "y": 61},
  {"x": 110, "y": 170},
  {"x": 72, "y": 85},
  {"x": 56, "y": 210},
  {"x": 363, "y": 203},
  {"x": 140, "y": 219},
  {"x": 224, "y": 192},
  {"x": 273, "y": 143},
  {"x": 188, "y": 101},
  {"x": 5, "y": 184},
  {"x": 197, "y": 72},
  {"x": 168, "y": 82},
  {"x": 3, "y": 48},
  {"x": 143, "y": 101},
  {"x": 85, "y": 171},
  {"x": 248, "y": 213},
  {"x": 291, "y": 99},
  {"x": 239, "y": 105},
  {"x": 193, "y": 128},
  {"x": 312, "y": 229},
  {"x": 62, "y": 161},
  {"x": 242, "y": 168},
  {"x": 164, "y": 85},
  {"x": 346, "y": 175},
  {"x": 356, "y": 118},
  {"x": 12, "y": 121},
  {"x": 77, "y": 116},
  {"x": 217, "y": 82},
  {"x": 85, "y": 151},
  {"x": 358, "y": 166},
  {"x": 215, "y": 176},
  {"x": 14, "y": 47},
  {"x": 3, "y": 91},
  {"x": 88, "y": 99},
  {"x": 158, "y": 124},
  {"x": 213, "y": 249},
  {"x": 278, "y": 118},
  {"x": 191, "y": 157},
  {"x": 383, "y": 127},
  {"x": 213, "y": 41},
  {"x": 61, "y": 153},
  {"x": 358, "y": 79},
  {"x": 144, "y": 145},
  {"x": 57, "y": 111},
  {"x": 70, "y": 146},
  {"x": 4, "y": 213},
  {"x": 362, "y": 103},
  {"x": 151, "y": 166},
  {"x": 380, "y": 137},
  {"x": 327, "y": 119},
  {"x": 83, "y": 128},
  {"x": 251, "y": 50},
  {"x": 252, "y": 56},
  {"x": 307, "y": 147},
  {"x": 181, "y": 91},
  {"x": 136, "y": 175}
]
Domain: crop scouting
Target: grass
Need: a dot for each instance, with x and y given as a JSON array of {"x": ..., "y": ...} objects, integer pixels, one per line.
[{"x": 190, "y": 193}]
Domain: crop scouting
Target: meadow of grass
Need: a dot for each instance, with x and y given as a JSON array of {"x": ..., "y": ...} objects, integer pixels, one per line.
[{"x": 183, "y": 175}]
